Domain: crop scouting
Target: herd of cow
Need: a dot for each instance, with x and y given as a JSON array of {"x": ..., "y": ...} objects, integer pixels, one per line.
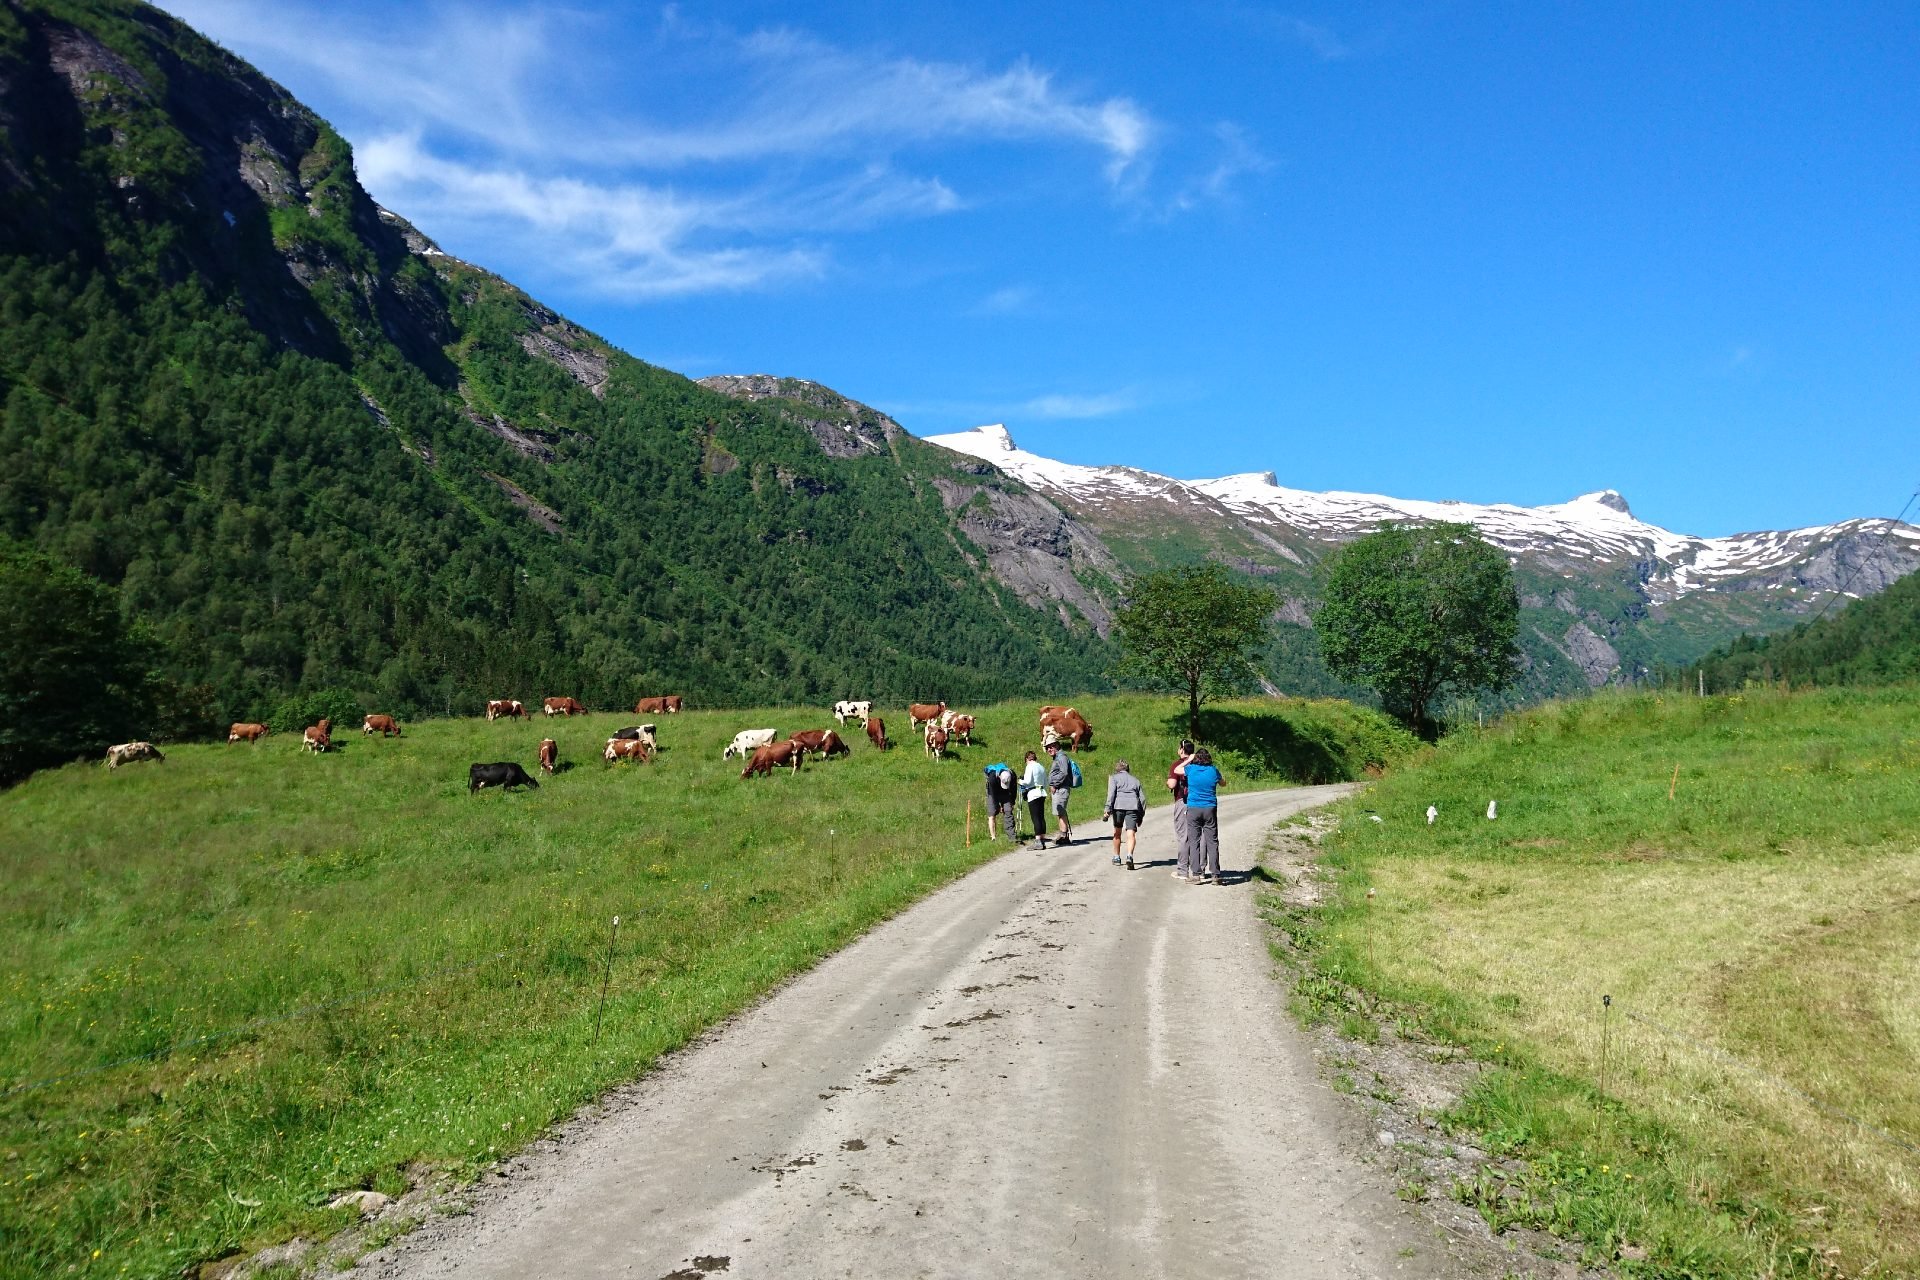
[{"x": 763, "y": 749}]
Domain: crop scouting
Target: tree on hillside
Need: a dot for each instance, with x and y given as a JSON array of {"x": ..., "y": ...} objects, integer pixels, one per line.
[
  {"x": 73, "y": 679},
  {"x": 1195, "y": 628},
  {"x": 1415, "y": 609}
]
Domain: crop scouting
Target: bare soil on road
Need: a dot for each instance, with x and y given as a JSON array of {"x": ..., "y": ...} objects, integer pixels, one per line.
[{"x": 1052, "y": 1067}]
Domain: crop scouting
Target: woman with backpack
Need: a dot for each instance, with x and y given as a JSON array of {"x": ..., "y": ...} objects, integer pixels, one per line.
[
  {"x": 1033, "y": 787},
  {"x": 1060, "y": 780},
  {"x": 1203, "y": 818},
  {"x": 1003, "y": 791},
  {"x": 1126, "y": 806}
]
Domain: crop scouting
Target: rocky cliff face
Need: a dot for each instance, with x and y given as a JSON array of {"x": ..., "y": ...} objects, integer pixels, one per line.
[
  {"x": 1048, "y": 559},
  {"x": 1639, "y": 596},
  {"x": 843, "y": 428}
]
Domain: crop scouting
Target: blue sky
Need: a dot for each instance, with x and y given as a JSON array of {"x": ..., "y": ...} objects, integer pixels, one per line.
[{"x": 1499, "y": 252}]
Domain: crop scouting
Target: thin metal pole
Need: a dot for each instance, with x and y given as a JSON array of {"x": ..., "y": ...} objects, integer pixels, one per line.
[{"x": 605, "y": 979}]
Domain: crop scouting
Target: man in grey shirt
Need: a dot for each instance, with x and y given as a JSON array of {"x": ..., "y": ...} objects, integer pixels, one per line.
[{"x": 1060, "y": 783}]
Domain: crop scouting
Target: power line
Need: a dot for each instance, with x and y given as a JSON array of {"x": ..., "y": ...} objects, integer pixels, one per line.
[{"x": 1862, "y": 563}]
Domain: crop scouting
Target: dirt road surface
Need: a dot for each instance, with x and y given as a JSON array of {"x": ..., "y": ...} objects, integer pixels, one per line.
[{"x": 1053, "y": 1067}]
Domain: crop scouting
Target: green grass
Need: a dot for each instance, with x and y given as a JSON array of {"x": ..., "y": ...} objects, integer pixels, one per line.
[
  {"x": 1768, "y": 913},
  {"x": 442, "y": 954}
]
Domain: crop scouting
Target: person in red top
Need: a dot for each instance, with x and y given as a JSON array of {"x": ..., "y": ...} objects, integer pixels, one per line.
[{"x": 1177, "y": 783}]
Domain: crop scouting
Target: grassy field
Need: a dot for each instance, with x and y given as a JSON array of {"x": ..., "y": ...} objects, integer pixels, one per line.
[
  {"x": 1758, "y": 932},
  {"x": 321, "y": 973}
]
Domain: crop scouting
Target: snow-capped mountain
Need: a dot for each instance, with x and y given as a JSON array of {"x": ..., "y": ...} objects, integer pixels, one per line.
[{"x": 1595, "y": 529}]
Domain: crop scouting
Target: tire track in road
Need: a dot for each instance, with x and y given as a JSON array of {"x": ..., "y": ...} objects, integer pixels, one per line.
[{"x": 1052, "y": 1067}]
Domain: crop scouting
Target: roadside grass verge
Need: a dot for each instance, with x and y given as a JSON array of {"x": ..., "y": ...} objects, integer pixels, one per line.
[
  {"x": 318, "y": 973},
  {"x": 1749, "y": 1105}
]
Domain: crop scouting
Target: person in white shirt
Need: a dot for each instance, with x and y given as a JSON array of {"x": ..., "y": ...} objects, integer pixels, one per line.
[{"x": 1033, "y": 787}]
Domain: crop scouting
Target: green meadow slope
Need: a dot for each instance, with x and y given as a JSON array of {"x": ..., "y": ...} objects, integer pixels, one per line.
[
  {"x": 242, "y": 980},
  {"x": 1741, "y": 875}
]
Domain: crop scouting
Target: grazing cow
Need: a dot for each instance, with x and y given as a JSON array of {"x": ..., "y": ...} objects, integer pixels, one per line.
[
  {"x": 775, "y": 755},
  {"x": 505, "y": 707},
  {"x": 563, "y": 707},
  {"x": 666, "y": 704},
  {"x": 504, "y": 774},
  {"x": 962, "y": 728},
  {"x": 921, "y": 712},
  {"x": 549, "y": 755},
  {"x": 318, "y": 737},
  {"x": 877, "y": 732},
  {"x": 627, "y": 749},
  {"x": 129, "y": 751},
  {"x": 640, "y": 733},
  {"x": 747, "y": 741},
  {"x": 821, "y": 742},
  {"x": 382, "y": 725},
  {"x": 1066, "y": 725},
  {"x": 845, "y": 711},
  {"x": 936, "y": 741},
  {"x": 247, "y": 733}
]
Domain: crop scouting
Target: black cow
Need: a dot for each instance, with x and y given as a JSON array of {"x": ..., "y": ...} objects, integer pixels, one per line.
[{"x": 504, "y": 774}]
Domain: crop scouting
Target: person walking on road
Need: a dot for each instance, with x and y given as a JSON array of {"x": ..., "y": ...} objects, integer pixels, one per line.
[
  {"x": 1126, "y": 806},
  {"x": 1177, "y": 783},
  {"x": 1033, "y": 787},
  {"x": 1003, "y": 793},
  {"x": 1203, "y": 818},
  {"x": 1060, "y": 782}
]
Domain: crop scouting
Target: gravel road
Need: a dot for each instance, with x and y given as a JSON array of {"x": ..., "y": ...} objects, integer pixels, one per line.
[{"x": 1053, "y": 1067}]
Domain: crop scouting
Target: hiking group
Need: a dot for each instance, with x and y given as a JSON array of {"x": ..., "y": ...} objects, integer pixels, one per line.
[{"x": 1193, "y": 778}]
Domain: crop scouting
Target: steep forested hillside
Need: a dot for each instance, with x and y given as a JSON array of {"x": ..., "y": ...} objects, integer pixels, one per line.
[
  {"x": 1871, "y": 641},
  {"x": 310, "y": 449}
]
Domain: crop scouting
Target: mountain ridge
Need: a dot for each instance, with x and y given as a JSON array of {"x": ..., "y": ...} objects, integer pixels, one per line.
[{"x": 1632, "y": 596}]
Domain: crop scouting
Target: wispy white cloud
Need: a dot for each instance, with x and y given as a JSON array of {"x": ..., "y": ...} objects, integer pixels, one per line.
[
  {"x": 550, "y": 134},
  {"x": 1320, "y": 39},
  {"x": 1098, "y": 405},
  {"x": 626, "y": 241},
  {"x": 1011, "y": 300},
  {"x": 1237, "y": 156}
]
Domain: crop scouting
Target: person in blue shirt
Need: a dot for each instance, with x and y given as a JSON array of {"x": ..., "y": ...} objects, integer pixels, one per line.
[{"x": 1203, "y": 817}]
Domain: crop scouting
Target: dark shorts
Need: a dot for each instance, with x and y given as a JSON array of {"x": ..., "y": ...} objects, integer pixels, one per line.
[
  {"x": 999, "y": 804},
  {"x": 1127, "y": 819}
]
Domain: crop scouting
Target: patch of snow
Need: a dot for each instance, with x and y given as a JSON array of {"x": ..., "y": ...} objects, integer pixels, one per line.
[{"x": 1599, "y": 527}]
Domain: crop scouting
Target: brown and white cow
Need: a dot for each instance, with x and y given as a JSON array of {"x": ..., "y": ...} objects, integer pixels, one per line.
[
  {"x": 563, "y": 707},
  {"x": 821, "y": 742},
  {"x": 877, "y": 732},
  {"x": 666, "y": 704},
  {"x": 247, "y": 733},
  {"x": 497, "y": 707},
  {"x": 626, "y": 749},
  {"x": 922, "y": 712},
  {"x": 1065, "y": 724},
  {"x": 382, "y": 725},
  {"x": 549, "y": 755},
  {"x": 775, "y": 755},
  {"x": 318, "y": 737},
  {"x": 936, "y": 742},
  {"x": 642, "y": 732},
  {"x": 127, "y": 752},
  {"x": 962, "y": 728}
]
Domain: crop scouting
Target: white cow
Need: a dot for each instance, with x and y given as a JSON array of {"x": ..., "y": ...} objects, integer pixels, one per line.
[
  {"x": 845, "y": 711},
  {"x": 128, "y": 751},
  {"x": 746, "y": 740}
]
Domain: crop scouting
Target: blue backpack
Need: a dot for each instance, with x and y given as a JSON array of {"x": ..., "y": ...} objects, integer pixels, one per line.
[{"x": 1073, "y": 767}]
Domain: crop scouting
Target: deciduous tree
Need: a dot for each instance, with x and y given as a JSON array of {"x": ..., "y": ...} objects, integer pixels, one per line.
[
  {"x": 1416, "y": 609},
  {"x": 1195, "y": 628}
]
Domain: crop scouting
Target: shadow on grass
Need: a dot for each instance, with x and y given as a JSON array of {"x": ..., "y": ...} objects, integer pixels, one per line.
[{"x": 1266, "y": 746}]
